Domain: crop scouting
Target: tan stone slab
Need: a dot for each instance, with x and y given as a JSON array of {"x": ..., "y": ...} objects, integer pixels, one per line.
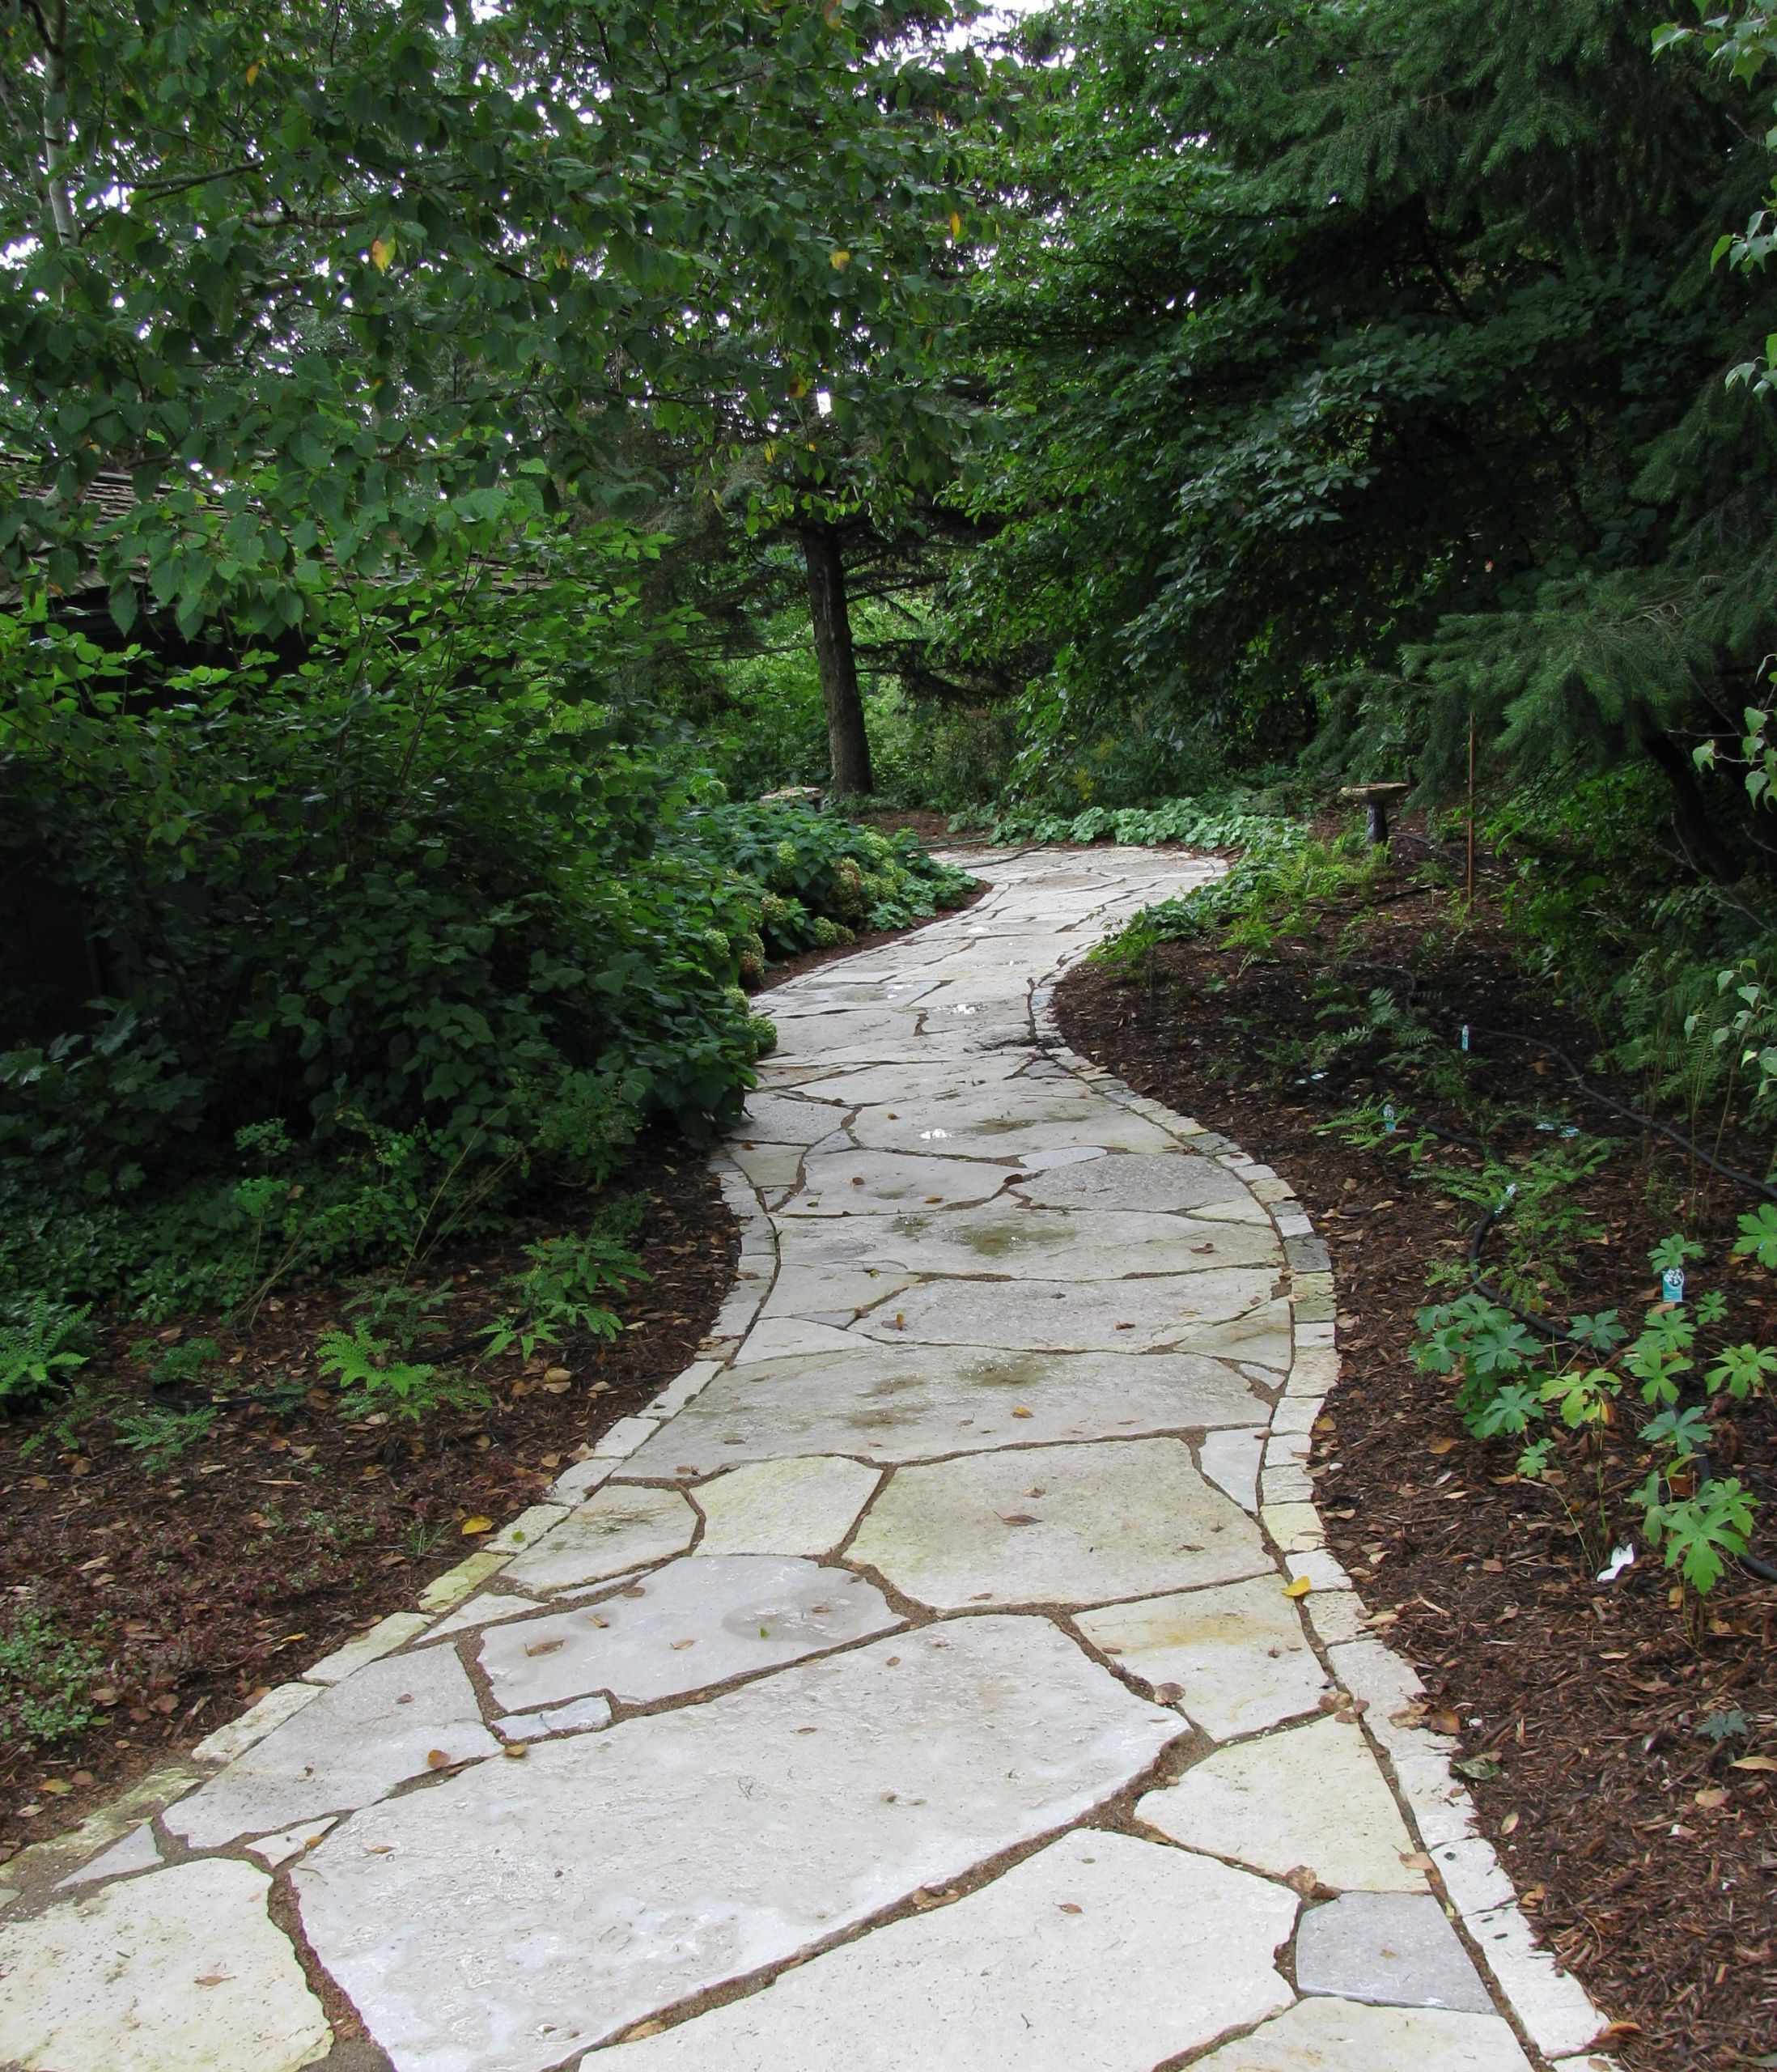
[
  {"x": 524, "y": 1912},
  {"x": 881, "y": 1403},
  {"x": 1006, "y": 1237},
  {"x": 1346, "y": 2036},
  {"x": 1173, "y": 1180},
  {"x": 803, "y": 1505},
  {"x": 1161, "y": 1313},
  {"x": 864, "y": 1183},
  {"x": 616, "y": 1528},
  {"x": 1238, "y": 1653},
  {"x": 1062, "y": 1525},
  {"x": 1312, "y": 1797},
  {"x": 1099, "y": 1954},
  {"x": 181, "y": 1971}
]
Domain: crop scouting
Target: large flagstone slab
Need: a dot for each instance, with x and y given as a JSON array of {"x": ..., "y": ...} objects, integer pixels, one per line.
[
  {"x": 695, "y": 1623},
  {"x": 1344, "y": 2035},
  {"x": 1181, "y": 1179},
  {"x": 1005, "y": 1238},
  {"x": 1312, "y": 1798},
  {"x": 524, "y": 1911},
  {"x": 1099, "y": 1954},
  {"x": 781, "y": 1118},
  {"x": 890, "y": 1085},
  {"x": 883, "y": 1403},
  {"x": 615, "y": 1529},
  {"x": 971, "y": 1124},
  {"x": 356, "y": 1742},
  {"x": 854, "y": 1182},
  {"x": 182, "y": 1971},
  {"x": 1153, "y": 1315},
  {"x": 797, "y": 1506},
  {"x": 1058, "y": 1525},
  {"x": 1238, "y": 1653}
]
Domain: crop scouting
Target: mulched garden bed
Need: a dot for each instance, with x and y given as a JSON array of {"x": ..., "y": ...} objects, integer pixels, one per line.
[
  {"x": 1646, "y": 1859},
  {"x": 285, "y": 1530}
]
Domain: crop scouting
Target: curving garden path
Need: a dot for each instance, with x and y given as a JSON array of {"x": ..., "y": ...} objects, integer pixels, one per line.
[{"x": 946, "y": 1673}]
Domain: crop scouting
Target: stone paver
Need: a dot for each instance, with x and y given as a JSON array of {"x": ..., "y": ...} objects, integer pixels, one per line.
[
  {"x": 1237, "y": 1656},
  {"x": 1343, "y": 2035},
  {"x": 1098, "y": 1953},
  {"x": 525, "y": 1910},
  {"x": 1014, "y": 1360},
  {"x": 180, "y": 1969},
  {"x": 1309, "y": 1799},
  {"x": 1392, "y": 1947},
  {"x": 693, "y": 1623},
  {"x": 1057, "y": 1525}
]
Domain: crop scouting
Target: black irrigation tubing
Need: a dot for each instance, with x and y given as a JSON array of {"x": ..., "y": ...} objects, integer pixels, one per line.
[
  {"x": 1632, "y": 1114},
  {"x": 1477, "y": 1237}
]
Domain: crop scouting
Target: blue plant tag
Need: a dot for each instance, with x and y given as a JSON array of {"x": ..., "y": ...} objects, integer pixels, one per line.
[
  {"x": 1387, "y": 1117},
  {"x": 1464, "y": 1035},
  {"x": 1672, "y": 1285}
]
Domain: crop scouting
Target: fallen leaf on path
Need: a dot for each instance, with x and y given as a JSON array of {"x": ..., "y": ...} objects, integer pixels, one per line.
[
  {"x": 1300, "y": 1588},
  {"x": 475, "y": 1525},
  {"x": 436, "y": 1759},
  {"x": 543, "y": 1647},
  {"x": 1754, "y": 1763}
]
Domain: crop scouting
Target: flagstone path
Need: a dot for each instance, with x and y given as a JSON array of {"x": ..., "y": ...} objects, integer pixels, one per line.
[{"x": 924, "y": 1682}]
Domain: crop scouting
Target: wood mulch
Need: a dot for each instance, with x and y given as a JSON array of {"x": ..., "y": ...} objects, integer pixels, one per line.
[
  {"x": 1644, "y": 1851},
  {"x": 286, "y": 1529}
]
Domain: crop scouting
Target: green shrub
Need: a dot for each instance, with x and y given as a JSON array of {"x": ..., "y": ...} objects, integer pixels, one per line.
[{"x": 46, "y": 1677}]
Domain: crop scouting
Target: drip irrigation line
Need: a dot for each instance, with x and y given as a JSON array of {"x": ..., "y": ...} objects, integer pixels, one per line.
[
  {"x": 1642, "y": 1121},
  {"x": 1764, "y": 1570}
]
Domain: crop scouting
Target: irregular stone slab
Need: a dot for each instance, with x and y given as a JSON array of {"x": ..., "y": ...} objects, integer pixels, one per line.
[
  {"x": 891, "y": 1085},
  {"x": 1177, "y": 1179},
  {"x": 1239, "y": 1654},
  {"x": 1230, "y": 1460},
  {"x": 281, "y": 1703},
  {"x": 488, "y": 1610},
  {"x": 968, "y": 1124},
  {"x": 1099, "y": 1954},
  {"x": 1261, "y": 1335},
  {"x": 1310, "y": 1798},
  {"x": 383, "y": 1638},
  {"x": 1063, "y": 1525},
  {"x": 1394, "y": 1947},
  {"x": 1153, "y": 1315},
  {"x": 791, "y": 1337},
  {"x": 355, "y": 1743},
  {"x": 772, "y": 1168},
  {"x": 614, "y": 1529},
  {"x": 524, "y": 1911},
  {"x": 853, "y": 1183},
  {"x": 181, "y": 1969},
  {"x": 798, "y": 1506},
  {"x": 274, "y": 1849},
  {"x": 583, "y": 1715},
  {"x": 691, "y": 1624},
  {"x": 1005, "y": 1238},
  {"x": 780, "y": 1119},
  {"x": 138, "y": 1851},
  {"x": 1343, "y": 2035},
  {"x": 820, "y": 1291},
  {"x": 895, "y": 1403}
]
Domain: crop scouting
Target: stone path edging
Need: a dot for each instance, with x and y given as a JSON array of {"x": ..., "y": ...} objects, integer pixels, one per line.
[
  {"x": 1552, "y": 2008},
  {"x": 758, "y": 1602}
]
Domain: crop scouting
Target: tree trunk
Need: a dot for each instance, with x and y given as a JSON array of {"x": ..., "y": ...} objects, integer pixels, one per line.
[
  {"x": 848, "y": 744},
  {"x": 1690, "y": 813}
]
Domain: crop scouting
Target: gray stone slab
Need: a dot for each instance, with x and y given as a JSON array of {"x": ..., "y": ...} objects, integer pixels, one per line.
[
  {"x": 179, "y": 1971},
  {"x": 1006, "y": 1237},
  {"x": 1395, "y": 1948},
  {"x": 1158, "y": 1313},
  {"x": 966, "y": 1123},
  {"x": 356, "y": 1742},
  {"x": 614, "y": 1529},
  {"x": 1343, "y": 2035},
  {"x": 525, "y": 1911},
  {"x": 1099, "y": 1954},
  {"x": 882, "y": 1403},
  {"x": 862, "y": 1183},
  {"x": 1238, "y": 1653},
  {"x": 1060, "y": 1525},
  {"x": 1174, "y": 1180},
  {"x": 695, "y": 1623},
  {"x": 780, "y": 1119},
  {"x": 1231, "y": 1460}
]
